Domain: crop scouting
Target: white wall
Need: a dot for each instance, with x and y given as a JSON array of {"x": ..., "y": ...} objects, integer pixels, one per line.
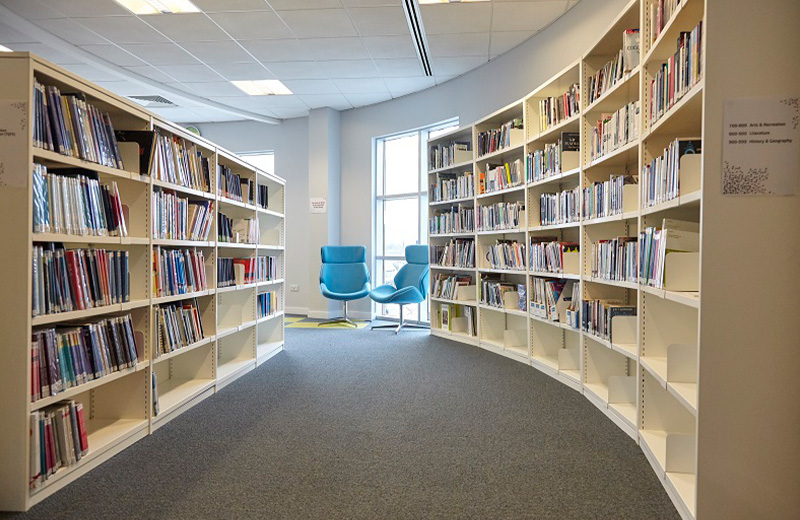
[
  {"x": 289, "y": 141},
  {"x": 469, "y": 97}
]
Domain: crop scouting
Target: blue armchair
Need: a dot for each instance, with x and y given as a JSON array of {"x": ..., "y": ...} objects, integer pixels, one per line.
[
  {"x": 343, "y": 276},
  {"x": 410, "y": 286}
]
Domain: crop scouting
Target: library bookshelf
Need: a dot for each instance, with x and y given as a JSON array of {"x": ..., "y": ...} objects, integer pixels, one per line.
[
  {"x": 119, "y": 408},
  {"x": 644, "y": 376}
]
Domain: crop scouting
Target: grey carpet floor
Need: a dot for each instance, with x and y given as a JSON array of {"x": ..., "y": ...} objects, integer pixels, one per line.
[{"x": 361, "y": 424}]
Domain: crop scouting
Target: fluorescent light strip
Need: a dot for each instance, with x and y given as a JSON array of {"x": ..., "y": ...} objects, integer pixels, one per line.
[
  {"x": 263, "y": 87},
  {"x": 158, "y": 6}
]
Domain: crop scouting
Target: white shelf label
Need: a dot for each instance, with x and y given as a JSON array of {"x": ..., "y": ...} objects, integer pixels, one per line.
[{"x": 761, "y": 146}]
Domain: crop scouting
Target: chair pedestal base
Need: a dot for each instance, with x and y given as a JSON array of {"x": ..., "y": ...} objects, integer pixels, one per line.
[
  {"x": 342, "y": 319},
  {"x": 401, "y": 325}
]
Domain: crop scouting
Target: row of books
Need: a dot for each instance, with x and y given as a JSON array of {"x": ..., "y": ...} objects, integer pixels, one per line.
[
  {"x": 444, "y": 155},
  {"x": 554, "y": 110},
  {"x": 237, "y": 271},
  {"x": 506, "y": 254},
  {"x": 178, "y": 161},
  {"x": 456, "y": 253},
  {"x": 178, "y": 218},
  {"x": 596, "y": 316},
  {"x": 659, "y": 14},
  {"x": 74, "y": 202},
  {"x": 497, "y": 177},
  {"x": 66, "y": 357},
  {"x": 495, "y": 292},
  {"x": 58, "y": 438},
  {"x": 661, "y": 178},
  {"x": 547, "y": 254},
  {"x": 262, "y": 196},
  {"x": 458, "y": 219},
  {"x": 75, "y": 279},
  {"x": 71, "y": 126},
  {"x": 500, "y": 216},
  {"x": 615, "y": 130},
  {"x": 457, "y": 318},
  {"x": 509, "y": 134},
  {"x": 614, "y": 70},
  {"x": 450, "y": 286},
  {"x": 179, "y": 325},
  {"x": 655, "y": 243},
  {"x": 541, "y": 164},
  {"x": 267, "y": 268},
  {"x": 450, "y": 186},
  {"x": 561, "y": 207},
  {"x": 605, "y": 199},
  {"x": 549, "y": 296},
  {"x": 678, "y": 74},
  {"x": 178, "y": 271},
  {"x": 267, "y": 304},
  {"x": 615, "y": 259},
  {"x": 233, "y": 186},
  {"x": 238, "y": 230}
]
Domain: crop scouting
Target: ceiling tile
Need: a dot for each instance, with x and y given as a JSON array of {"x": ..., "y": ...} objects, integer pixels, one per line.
[
  {"x": 278, "y": 50},
  {"x": 32, "y": 9},
  {"x": 336, "y": 101},
  {"x": 390, "y": 46},
  {"x": 456, "y": 18},
  {"x": 400, "y": 68},
  {"x": 70, "y": 31},
  {"x": 349, "y": 68},
  {"x": 252, "y": 25},
  {"x": 48, "y": 53},
  {"x": 346, "y": 48},
  {"x": 269, "y": 102},
  {"x": 189, "y": 27},
  {"x": 311, "y": 86},
  {"x": 379, "y": 21},
  {"x": 214, "y": 6},
  {"x": 284, "y": 70},
  {"x": 442, "y": 78},
  {"x": 503, "y": 41},
  {"x": 239, "y": 71},
  {"x": 91, "y": 73},
  {"x": 177, "y": 114},
  {"x": 526, "y": 16},
  {"x": 403, "y": 86},
  {"x": 371, "y": 3},
  {"x": 456, "y": 66},
  {"x": 127, "y": 88},
  {"x": 122, "y": 29},
  {"x": 214, "y": 88},
  {"x": 287, "y": 5},
  {"x": 213, "y": 115},
  {"x": 471, "y": 44},
  {"x": 361, "y": 86},
  {"x": 160, "y": 53},
  {"x": 114, "y": 54},
  {"x": 9, "y": 35},
  {"x": 288, "y": 113},
  {"x": 75, "y": 8},
  {"x": 322, "y": 23},
  {"x": 217, "y": 52},
  {"x": 185, "y": 73},
  {"x": 360, "y": 100},
  {"x": 151, "y": 73}
]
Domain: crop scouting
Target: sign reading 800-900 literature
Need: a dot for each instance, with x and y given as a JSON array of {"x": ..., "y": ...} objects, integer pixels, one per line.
[{"x": 761, "y": 147}]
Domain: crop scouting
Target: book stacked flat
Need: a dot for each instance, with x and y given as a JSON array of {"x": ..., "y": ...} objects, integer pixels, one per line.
[
  {"x": 76, "y": 279},
  {"x": 71, "y": 126}
]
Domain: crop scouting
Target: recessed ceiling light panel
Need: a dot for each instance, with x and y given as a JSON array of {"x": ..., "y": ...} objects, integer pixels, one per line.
[
  {"x": 158, "y": 6},
  {"x": 263, "y": 87}
]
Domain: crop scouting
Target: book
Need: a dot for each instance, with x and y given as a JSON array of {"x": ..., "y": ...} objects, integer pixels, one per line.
[
  {"x": 449, "y": 186},
  {"x": 456, "y": 253},
  {"x": 630, "y": 49},
  {"x": 58, "y": 438},
  {"x": 554, "y": 110},
  {"x": 178, "y": 271},
  {"x": 559, "y": 208},
  {"x": 179, "y": 218},
  {"x": 267, "y": 304}
]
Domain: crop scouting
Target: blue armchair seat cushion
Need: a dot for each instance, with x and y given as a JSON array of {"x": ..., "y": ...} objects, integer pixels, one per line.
[
  {"x": 390, "y": 294},
  {"x": 344, "y": 296}
]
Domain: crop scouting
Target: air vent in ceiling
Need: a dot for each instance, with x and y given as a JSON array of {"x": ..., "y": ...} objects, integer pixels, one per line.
[
  {"x": 152, "y": 101},
  {"x": 414, "y": 19}
]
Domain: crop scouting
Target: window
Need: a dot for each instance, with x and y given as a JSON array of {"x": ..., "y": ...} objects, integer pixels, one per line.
[
  {"x": 400, "y": 212},
  {"x": 262, "y": 160}
]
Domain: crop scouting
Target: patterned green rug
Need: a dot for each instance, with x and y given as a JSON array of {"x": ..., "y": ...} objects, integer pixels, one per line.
[{"x": 300, "y": 322}]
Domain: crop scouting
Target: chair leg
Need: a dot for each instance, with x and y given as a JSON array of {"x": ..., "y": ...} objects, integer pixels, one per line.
[
  {"x": 397, "y": 328},
  {"x": 343, "y": 319}
]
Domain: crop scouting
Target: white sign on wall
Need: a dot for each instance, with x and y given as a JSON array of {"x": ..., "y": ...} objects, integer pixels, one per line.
[
  {"x": 14, "y": 170},
  {"x": 761, "y": 147},
  {"x": 319, "y": 205}
]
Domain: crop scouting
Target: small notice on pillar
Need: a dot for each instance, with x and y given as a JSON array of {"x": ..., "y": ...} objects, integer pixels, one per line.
[
  {"x": 319, "y": 205},
  {"x": 14, "y": 167},
  {"x": 761, "y": 147}
]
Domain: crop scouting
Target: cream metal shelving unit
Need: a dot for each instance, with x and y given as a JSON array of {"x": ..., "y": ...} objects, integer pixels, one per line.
[
  {"x": 119, "y": 407},
  {"x": 645, "y": 380}
]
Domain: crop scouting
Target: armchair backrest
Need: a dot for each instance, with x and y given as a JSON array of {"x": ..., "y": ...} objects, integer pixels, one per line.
[
  {"x": 416, "y": 271},
  {"x": 344, "y": 268}
]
